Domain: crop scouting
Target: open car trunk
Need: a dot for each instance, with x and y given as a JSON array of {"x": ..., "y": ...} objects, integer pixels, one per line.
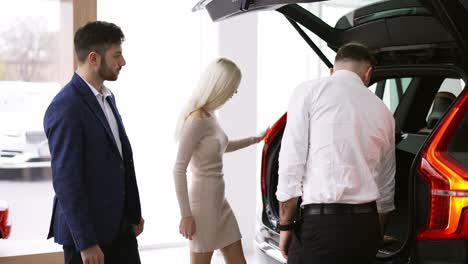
[
  {"x": 413, "y": 116},
  {"x": 390, "y": 28}
]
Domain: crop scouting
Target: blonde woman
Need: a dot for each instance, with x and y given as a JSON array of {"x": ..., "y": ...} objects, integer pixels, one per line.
[{"x": 206, "y": 217}]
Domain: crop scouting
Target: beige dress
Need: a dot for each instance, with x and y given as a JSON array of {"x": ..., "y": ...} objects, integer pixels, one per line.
[{"x": 202, "y": 144}]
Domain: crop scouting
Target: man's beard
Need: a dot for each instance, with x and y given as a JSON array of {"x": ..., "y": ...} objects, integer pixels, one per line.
[{"x": 106, "y": 73}]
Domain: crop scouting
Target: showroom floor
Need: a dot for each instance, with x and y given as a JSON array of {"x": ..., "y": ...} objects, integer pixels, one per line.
[
  {"x": 33, "y": 200},
  {"x": 181, "y": 255}
]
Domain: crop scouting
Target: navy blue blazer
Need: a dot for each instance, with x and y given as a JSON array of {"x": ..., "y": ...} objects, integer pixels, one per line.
[{"x": 94, "y": 186}]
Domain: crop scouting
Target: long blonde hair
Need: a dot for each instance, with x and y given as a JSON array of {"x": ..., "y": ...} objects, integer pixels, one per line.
[{"x": 217, "y": 84}]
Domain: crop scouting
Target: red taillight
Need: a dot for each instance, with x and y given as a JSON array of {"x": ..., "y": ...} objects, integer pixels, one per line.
[
  {"x": 448, "y": 180},
  {"x": 271, "y": 134}
]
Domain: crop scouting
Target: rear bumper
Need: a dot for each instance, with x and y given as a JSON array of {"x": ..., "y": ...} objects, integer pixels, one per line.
[
  {"x": 266, "y": 241},
  {"x": 270, "y": 251}
]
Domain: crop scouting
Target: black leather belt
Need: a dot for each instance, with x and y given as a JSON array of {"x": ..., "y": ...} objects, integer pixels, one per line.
[{"x": 336, "y": 208}]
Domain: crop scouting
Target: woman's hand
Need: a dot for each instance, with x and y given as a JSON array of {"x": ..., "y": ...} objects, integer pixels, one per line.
[
  {"x": 187, "y": 227},
  {"x": 261, "y": 135}
]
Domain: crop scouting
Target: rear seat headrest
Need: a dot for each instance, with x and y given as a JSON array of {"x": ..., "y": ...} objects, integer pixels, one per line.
[{"x": 442, "y": 101}]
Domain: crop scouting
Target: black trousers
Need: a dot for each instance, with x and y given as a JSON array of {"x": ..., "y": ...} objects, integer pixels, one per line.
[
  {"x": 336, "y": 238},
  {"x": 123, "y": 250}
]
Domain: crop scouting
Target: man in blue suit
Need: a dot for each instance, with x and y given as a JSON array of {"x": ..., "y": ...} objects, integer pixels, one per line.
[{"x": 96, "y": 213}]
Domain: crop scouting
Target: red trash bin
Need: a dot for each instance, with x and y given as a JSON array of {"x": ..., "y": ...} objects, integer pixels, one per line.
[{"x": 4, "y": 224}]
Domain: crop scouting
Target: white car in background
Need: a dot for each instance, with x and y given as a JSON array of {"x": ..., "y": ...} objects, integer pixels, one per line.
[{"x": 23, "y": 143}]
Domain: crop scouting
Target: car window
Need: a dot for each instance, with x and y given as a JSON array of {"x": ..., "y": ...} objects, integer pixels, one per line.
[
  {"x": 454, "y": 86},
  {"x": 449, "y": 85},
  {"x": 391, "y": 91},
  {"x": 333, "y": 11},
  {"x": 23, "y": 104}
]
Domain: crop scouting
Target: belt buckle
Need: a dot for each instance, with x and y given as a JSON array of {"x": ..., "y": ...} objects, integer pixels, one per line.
[{"x": 322, "y": 209}]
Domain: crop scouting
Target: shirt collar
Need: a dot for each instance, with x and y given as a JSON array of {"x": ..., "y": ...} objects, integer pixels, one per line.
[
  {"x": 105, "y": 91},
  {"x": 347, "y": 74}
]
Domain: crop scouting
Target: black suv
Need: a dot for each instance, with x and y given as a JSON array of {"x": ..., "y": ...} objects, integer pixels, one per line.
[{"x": 422, "y": 52}]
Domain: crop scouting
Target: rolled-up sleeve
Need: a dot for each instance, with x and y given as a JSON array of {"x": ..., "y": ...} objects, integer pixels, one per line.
[
  {"x": 386, "y": 178},
  {"x": 294, "y": 146}
]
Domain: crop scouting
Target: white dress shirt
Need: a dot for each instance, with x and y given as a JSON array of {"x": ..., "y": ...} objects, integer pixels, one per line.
[
  {"x": 106, "y": 108},
  {"x": 338, "y": 145}
]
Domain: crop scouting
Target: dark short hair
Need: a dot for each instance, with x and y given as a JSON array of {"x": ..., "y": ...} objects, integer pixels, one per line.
[
  {"x": 355, "y": 52},
  {"x": 96, "y": 36}
]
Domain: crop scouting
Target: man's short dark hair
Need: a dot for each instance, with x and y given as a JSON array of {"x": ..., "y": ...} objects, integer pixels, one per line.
[
  {"x": 355, "y": 52},
  {"x": 96, "y": 36}
]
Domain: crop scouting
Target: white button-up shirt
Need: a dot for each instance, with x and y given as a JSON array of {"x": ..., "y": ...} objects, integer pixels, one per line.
[
  {"x": 106, "y": 108},
  {"x": 338, "y": 145}
]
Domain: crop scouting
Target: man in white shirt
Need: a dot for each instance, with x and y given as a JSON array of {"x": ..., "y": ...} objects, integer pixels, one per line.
[{"x": 338, "y": 155}]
